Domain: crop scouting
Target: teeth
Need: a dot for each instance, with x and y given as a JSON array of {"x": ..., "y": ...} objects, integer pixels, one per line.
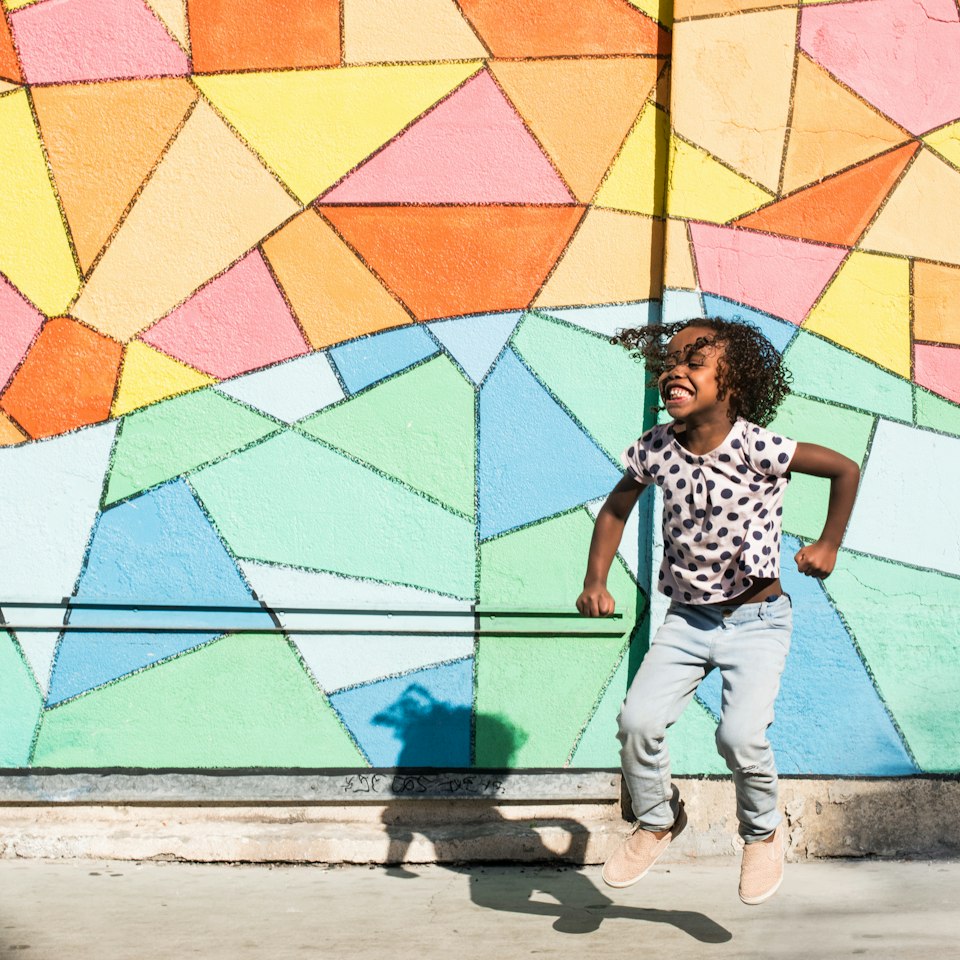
[{"x": 677, "y": 392}]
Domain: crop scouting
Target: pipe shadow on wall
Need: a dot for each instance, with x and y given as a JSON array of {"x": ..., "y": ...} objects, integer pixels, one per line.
[{"x": 419, "y": 720}]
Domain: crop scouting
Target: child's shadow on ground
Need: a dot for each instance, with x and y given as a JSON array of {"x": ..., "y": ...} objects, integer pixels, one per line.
[{"x": 421, "y": 722}]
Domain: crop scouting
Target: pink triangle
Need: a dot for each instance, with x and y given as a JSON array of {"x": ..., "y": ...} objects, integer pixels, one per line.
[
  {"x": 901, "y": 56},
  {"x": 780, "y": 276},
  {"x": 472, "y": 148},
  {"x": 938, "y": 369},
  {"x": 19, "y": 323},
  {"x": 65, "y": 41},
  {"x": 236, "y": 323}
]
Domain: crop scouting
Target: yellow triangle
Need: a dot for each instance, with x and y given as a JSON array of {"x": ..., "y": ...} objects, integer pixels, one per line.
[
  {"x": 12, "y": 5},
  {"x": 313, "y": 126},
  {"x": 831, "y": 128},
  {"x": 867, "y": 309},
  {"x": 659, "y": 10},
  {"x": 702, "y": 188},
  {"x": 395, "y": 31},
  {"x": 678, "y": 272},
  {"x": 35, "y": 253},
  {"x": 946, "y": 142},
  {"x": 10, "y": 433},
  {"x": 635, "y": 180},
  {"x": 148, "y": 376},
  {"x": 173, "y": 15}
]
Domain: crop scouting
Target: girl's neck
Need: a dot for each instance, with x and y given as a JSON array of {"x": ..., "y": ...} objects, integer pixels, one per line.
[{"x": 700, "y": 435}]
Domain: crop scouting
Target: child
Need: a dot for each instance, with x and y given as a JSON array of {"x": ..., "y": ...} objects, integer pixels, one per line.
[{"x": 722, "y": 476}]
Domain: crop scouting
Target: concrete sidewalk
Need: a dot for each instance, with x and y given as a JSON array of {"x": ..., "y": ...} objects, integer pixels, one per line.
[{"x": 142, "y": 911}]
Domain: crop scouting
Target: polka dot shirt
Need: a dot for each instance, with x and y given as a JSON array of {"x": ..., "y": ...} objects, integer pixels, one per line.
[{"x": 721, "y": 510}]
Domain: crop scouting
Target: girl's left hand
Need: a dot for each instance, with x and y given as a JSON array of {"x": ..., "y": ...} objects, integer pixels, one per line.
[{"x": 816, "y": 560}]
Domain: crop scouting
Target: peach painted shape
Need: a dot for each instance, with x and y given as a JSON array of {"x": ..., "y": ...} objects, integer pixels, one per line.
[
  {"x": 72, "y": 40},
  {"x": 900, "y": 56},
  {"x": 936, "y": 294},
  {"x": 472, "y": 148},
  {"x": 938, "y": 369},
  {"x": 19, "y": 323},
  {"x": 66, "y": 381},
  {"x": 236, "y": 323},
  {"x": 780, "y": 276}
]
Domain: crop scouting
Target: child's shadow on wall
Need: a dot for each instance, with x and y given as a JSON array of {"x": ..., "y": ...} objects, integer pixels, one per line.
[{"x": 420, "y": 721}]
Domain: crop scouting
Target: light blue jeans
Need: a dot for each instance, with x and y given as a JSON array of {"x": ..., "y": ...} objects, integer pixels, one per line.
[{"x": 748, "y": 645}]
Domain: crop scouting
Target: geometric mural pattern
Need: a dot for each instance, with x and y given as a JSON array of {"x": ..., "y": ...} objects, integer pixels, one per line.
[{"x": 306, "y": 305}]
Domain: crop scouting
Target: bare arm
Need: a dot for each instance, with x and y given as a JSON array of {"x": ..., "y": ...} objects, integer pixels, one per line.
[
  {"x": 596, "y": 600},
  {"x": 818, "y": 558}
]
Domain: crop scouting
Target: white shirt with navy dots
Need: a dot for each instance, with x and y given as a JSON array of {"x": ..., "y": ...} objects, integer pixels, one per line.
[{"x": 721, "y": 510}]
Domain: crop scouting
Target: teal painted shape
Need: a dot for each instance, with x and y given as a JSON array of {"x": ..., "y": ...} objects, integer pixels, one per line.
[
  {"x": 294, "y": 501},
  {"x": 20, "y": 704},
  {"x": 534, "y": 461},
  {"x": 421, "y": 719},
  {"x": 598, "y": 382},
  {"x": 162, "y": 441},
  {"x": 822, "y": 369},
  {"x": 905, "y": 622},
  {"x": 936, "y": 412},
  {"x": 371, "y": 359},
  {"x": 829, "y": 718},
  {"x": 474, "y": 343},
  {"x": 158, "y": 548}
]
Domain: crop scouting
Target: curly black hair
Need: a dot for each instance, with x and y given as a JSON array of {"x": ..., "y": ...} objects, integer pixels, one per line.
[{"x": 750, "y": 369}]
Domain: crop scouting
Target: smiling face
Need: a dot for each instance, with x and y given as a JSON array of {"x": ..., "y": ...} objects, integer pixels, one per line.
[{"x": 689, "y": 381}]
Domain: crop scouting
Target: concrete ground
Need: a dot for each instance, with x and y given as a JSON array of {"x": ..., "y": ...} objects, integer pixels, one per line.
[{"x": 112, "y": 910}]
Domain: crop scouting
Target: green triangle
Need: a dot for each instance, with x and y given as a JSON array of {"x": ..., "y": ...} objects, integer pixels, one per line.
[
  {"x": 545, "y": 686},
  {"x": 241, "y": 701},
  {"x": 598, "y": 746},
  {"x": 418, "y": 427},
  {"x": 599, "y": 382},
  {"x": 20, "y": 702},
  {"x": 816, "y": 421},
  {"x": 822, "y": 369},
  {"x": 904, "y": 621},
  {"x": 937, "y": 412},
  {"x": 162, "y": 441},
  {"x": 292, "y": 500}
]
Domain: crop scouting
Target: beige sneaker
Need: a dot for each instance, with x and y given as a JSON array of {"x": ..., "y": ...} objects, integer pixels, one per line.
[
  {"x": 638, "y": 853},
  {"x": 761, "y": 870}
]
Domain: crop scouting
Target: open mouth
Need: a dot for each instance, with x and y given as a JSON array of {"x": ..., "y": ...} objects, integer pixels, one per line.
[{"x": 676, "y": 394}]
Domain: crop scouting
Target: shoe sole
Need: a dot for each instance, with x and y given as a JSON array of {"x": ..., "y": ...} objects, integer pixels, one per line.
[
  {"x": 753, "y": 901},
  {"x": 675, "y": 832}
]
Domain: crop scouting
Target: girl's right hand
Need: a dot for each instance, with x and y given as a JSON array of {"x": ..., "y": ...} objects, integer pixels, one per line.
[{"x": 596, "y": 601}]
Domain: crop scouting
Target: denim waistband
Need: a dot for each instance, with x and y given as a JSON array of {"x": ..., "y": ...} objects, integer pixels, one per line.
[{"x": 734, "y": 613}]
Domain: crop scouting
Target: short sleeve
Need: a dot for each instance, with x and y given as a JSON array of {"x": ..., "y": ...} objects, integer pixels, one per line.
[
  {"x": 635, "y": 458},
  {"x": 769, "y": 453}
]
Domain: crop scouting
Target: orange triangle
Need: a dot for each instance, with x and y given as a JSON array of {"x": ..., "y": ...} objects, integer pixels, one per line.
[
  {"x": 67, "y": 379},
  {"x": 10, "y": 433},
  {"x": 581, "y": 133},
  {"x": 102, "y": 140},
  {"x": 448, "y": 261},
  {"x": 831, "y": 128},
  {"x": 544, "y": 28},
  {"x": 9, "y": 64},
  {"x": 839, "y": 209},
  {"x": 332, "y": 294}
]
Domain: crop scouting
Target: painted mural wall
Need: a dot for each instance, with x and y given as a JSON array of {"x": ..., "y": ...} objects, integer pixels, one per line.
[{"x": 307, "y": 400}]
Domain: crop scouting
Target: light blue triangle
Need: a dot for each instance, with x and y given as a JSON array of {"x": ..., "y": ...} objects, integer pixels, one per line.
[
  {"x": 290, "y": 390},
  {"x": 474, "y": 343},
  {"x": 608, "y": 318},
  {"x": 155, "y": 549},
  {"x": 421, "y": 719},
  {"x": 680, "y": 305},
  {"x": 829, "y": 718},
  {"x": 779, "y": 332},
  {"x": 534, "y": 461},
  {"x": 371, "y": 359}
]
